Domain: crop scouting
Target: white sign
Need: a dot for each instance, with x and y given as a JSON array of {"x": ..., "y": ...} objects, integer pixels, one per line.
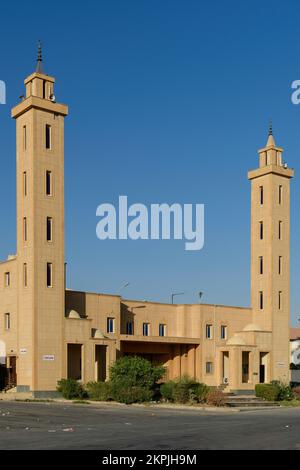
[
  {"x": 48, "y": 357},
  {"x": 23, "y": 351},
  {"x": 280, "y": 364}
]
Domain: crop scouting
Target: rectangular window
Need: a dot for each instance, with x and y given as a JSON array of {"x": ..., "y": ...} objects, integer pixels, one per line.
[
  {"x": 261, "y": 230},
  {"x": 261, "y": 300},
  {"x": 48, "y": 183},
  {"x": 261, "y": 195},
  {"x": 24, "y": 138},
  {"x": 25, "y": 275},
  {"x": 7, "y": 321},
  {"x": 25, "y": 183},
  {"x": 223, "y": 332},
  {"x": 110, "y": 325},
  {"x": 25, "y": 229},
  {"x": 49, "y": 275},
  {"x": 261, "y": 265},
  {"x": 162, "y": 329},
  {"x": 129, "y": 328},
  {"x": 49, "y": 229},
  {"x": 279, "y": 300},
  {"x": 146, "y": 329},
  {"x": 280, "y": 229},
  {"x": 209, "y": 368},
  {"x": 279, "y": 194},
  {"x": 48, "y": 137},
  {"x": 209, "y": 332},
  {"x": 7, "y": 279},
  {"x": 280, "y": 265}
]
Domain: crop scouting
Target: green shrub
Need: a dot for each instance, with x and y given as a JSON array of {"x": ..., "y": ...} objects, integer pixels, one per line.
[
  {"x": 167, "y": 390},
  {"x": 127, "y": 394},
  {"x": 71, "y": 389},
  {"x": 99, "y": 391},
  {"x": 285, "y": 391},
  {"x": 201, "y": 392},
  {"x": 136, "y": 371},
  {"x": 269, "y": 392},
  {"x": 215, "y": 398},
  {"x": 185, "y": 390}
]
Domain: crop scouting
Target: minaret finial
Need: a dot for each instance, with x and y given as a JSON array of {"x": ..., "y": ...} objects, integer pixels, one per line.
[
  {"x": 39, "y": 67},
  {"x": 270, "y": 127}
]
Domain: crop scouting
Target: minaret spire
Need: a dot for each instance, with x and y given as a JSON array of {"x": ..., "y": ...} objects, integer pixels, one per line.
[
  {"x": 271, "y": 141},
  {"x": 39, "y": 66}
]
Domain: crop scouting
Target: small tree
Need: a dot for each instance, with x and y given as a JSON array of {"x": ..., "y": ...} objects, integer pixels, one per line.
[{"x": 136, "y": 372}]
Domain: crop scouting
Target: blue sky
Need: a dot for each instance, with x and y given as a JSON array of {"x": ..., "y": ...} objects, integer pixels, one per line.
[{"x": 169, "y": 102}]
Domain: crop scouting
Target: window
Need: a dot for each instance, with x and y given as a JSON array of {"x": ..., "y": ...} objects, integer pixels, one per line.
[
  {"x": 25, "y": 274},
  {"x": 7, "y": 279},
  {"x": 48, "y": 183},
  {"x": 7, "y": 321},
  {"x": 223, "y": 332},
  {"x": 110, "y": 325},
  {"x": 24, "y": 138},
  {"x": 261, "y": 230},
  {"x": 279, "y": 194},
  {"x": 261, "y": 300},
  {"x": 261, "y": 265},
  {"x": 279, "y": 300},
  {"x": 209, "y": 332},
  {"x": 48, "y": 137},
  {"x": 129, "y": 328},
  {"x": 25, "y": 183},
  {"x": 261, "y": 195},
  {"x": 162, "y": 329},
  {"x": 209, "y": 367},
  {"x": 279, "y": 264},
  {"x": 49, "y": 229},
  {"x": 146, "y": 329},
  {"x": 25, "y": 229},
  {"x": 49, "y": 275},
  {"x": 280, "y": 230}
]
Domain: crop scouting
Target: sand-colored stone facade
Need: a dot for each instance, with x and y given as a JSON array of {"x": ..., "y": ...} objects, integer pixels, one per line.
[{"x": 48, "y": 332}]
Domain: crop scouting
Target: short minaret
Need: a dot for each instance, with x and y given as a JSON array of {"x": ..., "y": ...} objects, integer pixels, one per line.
[
  {"x": 270, "y": 252},
  {"x": 40, "y": 233}
]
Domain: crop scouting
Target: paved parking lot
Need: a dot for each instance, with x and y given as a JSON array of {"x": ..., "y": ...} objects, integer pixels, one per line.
[{"x": 78, "y": 426}]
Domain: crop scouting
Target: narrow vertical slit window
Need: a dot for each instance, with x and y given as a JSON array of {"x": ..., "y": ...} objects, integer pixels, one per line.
[
  {"x": 7, "y": 321},
  {"x": 48, "y": 136},
  {"x": 49, "y": 229},
  {"x": 280, "y": 230},
  {"x": 280, "y": 300},
  {"x": 49, "y": 275},
  {"x": 280, "y": 194},
  {"x": 280, "y": 265},
  {"x": 261, "y": 265},
  {"x": 7, "y": 279},
  {"x": 261, "y": 230},
  {"x": 48, "y": 183},
  {"x": 25, "y": 234},
  {"x": 25, "y": 280},
  {"x": 261, "y": 194},
  {"x": 25, "y": 183},
  {"x": 24, "y": 138},
  {"x": 261, "y": 300}
]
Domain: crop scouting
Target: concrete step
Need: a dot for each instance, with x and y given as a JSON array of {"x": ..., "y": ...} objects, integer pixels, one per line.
[{"x": 244, "y": 401}]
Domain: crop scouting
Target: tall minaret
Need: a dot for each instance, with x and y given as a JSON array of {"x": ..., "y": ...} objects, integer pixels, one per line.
[
  {"x": 270, "y": 252},
  {"x": 40, "y": 233}
]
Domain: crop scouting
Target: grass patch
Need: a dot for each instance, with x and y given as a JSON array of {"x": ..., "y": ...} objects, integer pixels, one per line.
[{"x": 291, "y": 403}]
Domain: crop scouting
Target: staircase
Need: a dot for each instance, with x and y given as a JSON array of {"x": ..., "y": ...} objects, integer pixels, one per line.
[{"x": 248, "y": 401}]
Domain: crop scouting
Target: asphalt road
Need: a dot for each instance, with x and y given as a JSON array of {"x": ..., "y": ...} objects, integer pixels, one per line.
[{"x": 87, "y": 427}]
